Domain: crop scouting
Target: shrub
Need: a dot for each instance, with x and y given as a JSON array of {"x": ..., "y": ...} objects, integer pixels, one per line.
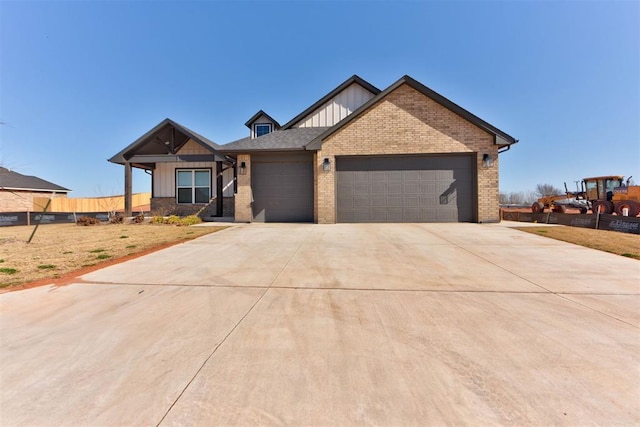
[
  {"x": 103, "y": 256},
  {"x": 116, "y": 218},
  {"x": 176, "y": 220},
  {"x": 8, "y": 270},
  {"x": 87, "y": 220},
  {"x": 190, "y": 220},
  {"x": 173, "y": 219},
  {"x": 138, "y": 219},
  {"x": 46, "y": 266}
]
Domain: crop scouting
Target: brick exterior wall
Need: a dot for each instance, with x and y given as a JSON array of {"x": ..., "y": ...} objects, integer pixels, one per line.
[
  {"x": 21, "y": 201},
  {"x": 407, "y": 122},
  {"x": 168, "y": 206},
  {"x": 243, "y": 196}
]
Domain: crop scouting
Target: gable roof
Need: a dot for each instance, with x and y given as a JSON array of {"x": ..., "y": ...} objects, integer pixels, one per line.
[
  {"x": 10, "y": 180},
  {"x": 351, "y": 80},
  {"x": 257, "y": 115},
  {"x": 151, "y": 143},
  {"x": 279, "y": 140},
  {"x": 501, "y": 138}
]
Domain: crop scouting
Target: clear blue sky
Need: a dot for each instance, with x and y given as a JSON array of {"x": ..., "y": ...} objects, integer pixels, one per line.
[{"x": 81, "y": 80}]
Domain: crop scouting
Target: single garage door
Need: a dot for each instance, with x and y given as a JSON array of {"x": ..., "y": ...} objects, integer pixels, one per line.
[
  {"x": 405, "y": 189},
  {"x": 282, "y": 188}
]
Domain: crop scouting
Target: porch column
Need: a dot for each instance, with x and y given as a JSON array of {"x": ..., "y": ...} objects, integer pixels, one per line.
[
  {"x": 127, "y": 189},
  {"x": 219, "y": 195}
]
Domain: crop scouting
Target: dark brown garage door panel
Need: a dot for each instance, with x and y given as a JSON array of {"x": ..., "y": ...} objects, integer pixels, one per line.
[
  {"x": 405, "y": 189},
  {"x": 282, "y": 189}
]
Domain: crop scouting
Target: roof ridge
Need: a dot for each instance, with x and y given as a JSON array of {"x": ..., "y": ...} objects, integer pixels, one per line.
[{"x": 426, "y": 91}]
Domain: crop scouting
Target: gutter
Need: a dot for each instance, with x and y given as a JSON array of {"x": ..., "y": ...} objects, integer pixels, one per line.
[{"x": 508, "y": 147}]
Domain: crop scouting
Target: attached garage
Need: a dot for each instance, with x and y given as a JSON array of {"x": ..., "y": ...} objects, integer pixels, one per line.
[
  {"x": 416, "y": 188},
  {"x": 361, "y": 155},
  {"x": 282, "y": 187}
]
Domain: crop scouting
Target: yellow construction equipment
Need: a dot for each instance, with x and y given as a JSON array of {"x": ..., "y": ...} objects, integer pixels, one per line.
[
  {"x": 603, "y": 194},
  {"x": 609, "y": 194}
]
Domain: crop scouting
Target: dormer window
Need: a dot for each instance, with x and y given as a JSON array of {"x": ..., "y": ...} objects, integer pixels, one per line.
[
  {"x": 262, "y": 129},
  {"x": 261, "y": 124}
]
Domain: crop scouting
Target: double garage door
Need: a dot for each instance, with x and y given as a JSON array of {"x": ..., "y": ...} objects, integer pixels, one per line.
[
  {"x": 368, "y": 188},
  {"x": 405, "y": 189}
]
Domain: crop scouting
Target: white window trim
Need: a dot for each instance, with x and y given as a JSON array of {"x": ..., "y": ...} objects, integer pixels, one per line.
[
  {"x": 193, "y": 186},
  {"x": 255, "y": 128}
]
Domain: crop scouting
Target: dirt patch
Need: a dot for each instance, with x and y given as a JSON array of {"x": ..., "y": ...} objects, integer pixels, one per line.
[
  {"x": 623, "y": 244},
  {"x": 61, "y": 252}
]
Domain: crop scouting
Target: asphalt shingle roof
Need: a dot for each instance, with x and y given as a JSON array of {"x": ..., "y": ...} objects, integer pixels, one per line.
[
  {"x": 289, "y": 139},
  {"x": 11, "y": 180}
]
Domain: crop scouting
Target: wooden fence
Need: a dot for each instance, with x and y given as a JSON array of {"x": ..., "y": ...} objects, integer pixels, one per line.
[{"x": 92, "y": 204}]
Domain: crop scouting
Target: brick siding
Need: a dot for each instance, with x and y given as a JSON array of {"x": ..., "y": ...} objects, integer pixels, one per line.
[
  {"x": 22, "y": 201},
  {"x": 243, "y": 196},
  {"x": 167, "y": 206},
  {"x": 407, "y": 122}
]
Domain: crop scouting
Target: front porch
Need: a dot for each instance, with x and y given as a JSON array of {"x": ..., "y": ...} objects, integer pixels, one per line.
[{"x": 188, "y": 174}]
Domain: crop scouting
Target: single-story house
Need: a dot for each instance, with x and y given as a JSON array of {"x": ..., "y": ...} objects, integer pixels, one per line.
[
  {"x": 17, "y": 191},
  {"x": 358, "y": 154}
]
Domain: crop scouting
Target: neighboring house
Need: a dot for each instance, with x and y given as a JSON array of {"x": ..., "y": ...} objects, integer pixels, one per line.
[
  {"x": 404, "y": 154},
  {"x": 17, "y": 191}
]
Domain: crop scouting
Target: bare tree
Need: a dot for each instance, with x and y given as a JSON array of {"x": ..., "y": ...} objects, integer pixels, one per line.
[
  {"x": 543, "y": 190},
  {"x": 503, "y": 198}
]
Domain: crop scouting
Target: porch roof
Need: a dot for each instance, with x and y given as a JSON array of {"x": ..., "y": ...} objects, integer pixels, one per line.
[{"x": 163, "y": 141}]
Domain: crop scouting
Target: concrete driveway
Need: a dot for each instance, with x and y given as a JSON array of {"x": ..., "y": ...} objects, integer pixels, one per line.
[{"x": 383, "y": 324}]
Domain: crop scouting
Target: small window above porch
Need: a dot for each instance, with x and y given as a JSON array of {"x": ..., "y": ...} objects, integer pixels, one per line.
[{"x": 261, "y": 124}]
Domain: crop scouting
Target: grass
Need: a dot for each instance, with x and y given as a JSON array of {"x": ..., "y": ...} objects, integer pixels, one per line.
[
  {"x": 623, "y": 244},
  {"x": 59, "y": 249}
]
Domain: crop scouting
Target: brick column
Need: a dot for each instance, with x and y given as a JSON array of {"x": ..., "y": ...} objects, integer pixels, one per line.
[
  {"x": 488, "y": 198},
  {"x": 243, "y": 199},
  {"x": 325, "y": 189}
]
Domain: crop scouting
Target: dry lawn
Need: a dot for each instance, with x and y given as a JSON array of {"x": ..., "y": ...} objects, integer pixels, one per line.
[
  {"x": 624, "y": 244},
  {"x": 60, "y": 249}
]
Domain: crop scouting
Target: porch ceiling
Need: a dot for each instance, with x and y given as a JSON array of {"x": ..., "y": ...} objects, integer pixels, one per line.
[{"x": 166, "y": 139}]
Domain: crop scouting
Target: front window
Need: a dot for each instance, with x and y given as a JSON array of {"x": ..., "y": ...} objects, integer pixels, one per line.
[
  {"x": 193, "y": 185},
  {"x": 262, "y": 129}
]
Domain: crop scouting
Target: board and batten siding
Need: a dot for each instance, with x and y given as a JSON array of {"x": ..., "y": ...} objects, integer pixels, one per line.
[
  {"x": 337, "y": 108},
  {"x": 164, "y": 175},
  {"x": 164, "y": 178}
]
